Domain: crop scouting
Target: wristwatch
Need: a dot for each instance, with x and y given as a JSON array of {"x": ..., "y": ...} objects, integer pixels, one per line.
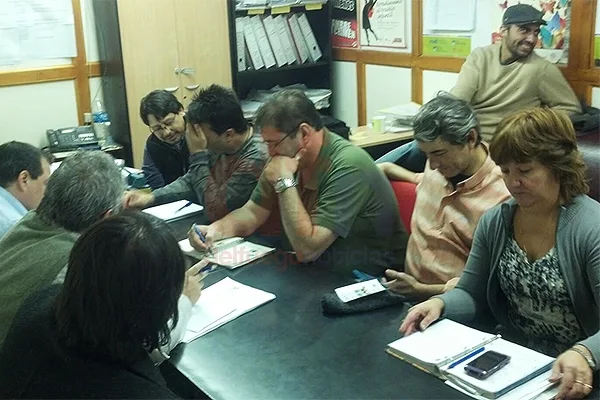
[
  {"x": 587, "y": 357},
  {"x": 284, "y": 183}
]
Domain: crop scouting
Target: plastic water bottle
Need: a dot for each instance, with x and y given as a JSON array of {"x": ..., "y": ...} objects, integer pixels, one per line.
[{"x": 101, "y": 124}]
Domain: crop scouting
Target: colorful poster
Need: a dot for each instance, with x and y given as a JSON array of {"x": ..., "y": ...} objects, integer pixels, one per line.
[
  {"x": 383, "y": 23},
  {"x": 344, "y": 24},
  {"x": 553, "y": 42},
  {"x": 446, "y": 46}
]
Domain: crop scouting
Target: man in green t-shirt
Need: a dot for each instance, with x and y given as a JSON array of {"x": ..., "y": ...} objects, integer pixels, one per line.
[{"x": 335, "y": 206}]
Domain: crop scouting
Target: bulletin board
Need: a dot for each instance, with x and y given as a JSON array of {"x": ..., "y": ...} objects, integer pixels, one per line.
[
  {"x": 36, "y": 33},
  {"x": 482, "y": 20}
]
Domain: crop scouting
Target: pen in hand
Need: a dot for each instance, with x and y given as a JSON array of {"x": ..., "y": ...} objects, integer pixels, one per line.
[
  {"x": 207, "y": 269},
  {"x": 202, "y": 238}
]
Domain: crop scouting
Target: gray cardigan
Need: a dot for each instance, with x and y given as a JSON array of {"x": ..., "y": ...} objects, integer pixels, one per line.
[{"x": 577, "y": 247}]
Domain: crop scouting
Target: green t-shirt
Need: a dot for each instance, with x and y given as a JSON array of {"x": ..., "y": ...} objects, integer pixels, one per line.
[{"x": 349, "y": 195}]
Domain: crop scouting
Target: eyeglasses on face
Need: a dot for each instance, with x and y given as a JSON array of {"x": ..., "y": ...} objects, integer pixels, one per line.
[
  {"x": 163, "y": 126},
  {"x": 273, "y": 145}
]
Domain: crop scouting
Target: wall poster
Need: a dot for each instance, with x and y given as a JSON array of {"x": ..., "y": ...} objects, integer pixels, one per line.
[{"x": 383, "y": 23}]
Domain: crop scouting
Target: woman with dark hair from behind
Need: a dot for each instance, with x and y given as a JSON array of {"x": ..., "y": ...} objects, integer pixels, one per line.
[{"x": 91, "y": 337}]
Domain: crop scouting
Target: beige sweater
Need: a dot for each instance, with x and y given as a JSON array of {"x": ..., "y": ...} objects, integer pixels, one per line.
[{"x": 495, "y": 90}]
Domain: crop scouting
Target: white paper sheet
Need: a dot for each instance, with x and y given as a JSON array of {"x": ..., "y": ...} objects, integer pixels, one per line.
[
  {"x": 222, "y": 302},
  {"x": 36, "y": 29},
  {"x": 449, "y": 15},
  {"x": 358, "y": 290},
  {"x": 536, "y": 389},
  {"x": 441, "y": 341},
  {"x": 523, "y": 361},
  {"x": 174, "y": 210}
]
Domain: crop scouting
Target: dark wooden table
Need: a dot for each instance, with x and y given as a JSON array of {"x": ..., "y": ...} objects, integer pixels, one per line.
[{"x": 288, "y": 349}]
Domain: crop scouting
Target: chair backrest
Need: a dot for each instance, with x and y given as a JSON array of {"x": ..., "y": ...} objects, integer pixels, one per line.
[
  {"x": 589, "y": 145},
  {"x": 406, "y": 195}
]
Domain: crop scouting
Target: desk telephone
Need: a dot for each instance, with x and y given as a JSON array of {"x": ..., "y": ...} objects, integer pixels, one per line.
[{"x": 72, "y": 138}]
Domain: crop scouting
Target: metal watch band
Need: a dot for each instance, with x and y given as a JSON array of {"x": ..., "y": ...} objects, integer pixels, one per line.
[{"x": 284, "y": 183}]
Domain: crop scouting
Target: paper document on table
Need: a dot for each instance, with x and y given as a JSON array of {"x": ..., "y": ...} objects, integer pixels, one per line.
[
  {"x": 175, "y": 210},
  {"x": 523, "y": 363},
  {"x": 222, "y": 302},
  {"x": 230, "y": 253},
  {"x": 433, "y": 346},
  {"x": 358, "y": 290},
  {"x": 539, "y": 388},
  {"x": 402, "y": 110}
]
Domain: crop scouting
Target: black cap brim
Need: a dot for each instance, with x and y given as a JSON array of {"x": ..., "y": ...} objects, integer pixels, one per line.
[{"x": 535, "y": 21}]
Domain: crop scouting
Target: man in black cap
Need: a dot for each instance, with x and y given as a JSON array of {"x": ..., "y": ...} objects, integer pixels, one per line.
[{"x": 501, "y": 79}]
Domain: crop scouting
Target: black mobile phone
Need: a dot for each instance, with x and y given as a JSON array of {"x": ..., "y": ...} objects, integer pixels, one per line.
[{"x": 486, "y": 364}]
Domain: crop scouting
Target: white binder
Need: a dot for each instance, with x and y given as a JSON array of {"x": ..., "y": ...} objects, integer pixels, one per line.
[
  {"x": 251, "y": 45},
  {"x": 263, "y": 43},
  {"x": 276, "y": 45},
  {"x": 311, "y": 42},
  {"x": 287, "y": 42},
  {"x": 298, "y": 38},
  {"x": 241, "y": 44}
]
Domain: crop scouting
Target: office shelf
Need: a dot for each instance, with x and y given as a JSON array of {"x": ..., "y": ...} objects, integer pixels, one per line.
[
  {"x": 315, "y": 75},
  {"x": 285, "y": 68}
]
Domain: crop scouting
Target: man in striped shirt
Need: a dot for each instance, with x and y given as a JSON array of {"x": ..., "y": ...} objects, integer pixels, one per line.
[
  {"x": 226, "y": 157},
  {"x": 459, "y": 184}
]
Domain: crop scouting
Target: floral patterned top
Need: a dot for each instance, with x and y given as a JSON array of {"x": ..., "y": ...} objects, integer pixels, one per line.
[{"x": 540, "y": 309}]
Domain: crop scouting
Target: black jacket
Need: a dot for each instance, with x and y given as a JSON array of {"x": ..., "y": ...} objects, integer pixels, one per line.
[
  {"x": 163, "y": 162},
  {"x": 33, "y": 364}
]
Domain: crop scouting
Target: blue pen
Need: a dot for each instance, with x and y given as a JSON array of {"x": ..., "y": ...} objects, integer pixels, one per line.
[
  {"x": 465, "y": 358},
  {"x": 207, "y": 269},
  {"x": 189, "y": 203},
  {"x": 202, "y": 238}
]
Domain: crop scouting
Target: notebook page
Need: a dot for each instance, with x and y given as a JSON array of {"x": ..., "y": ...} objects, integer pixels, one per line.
[
  {"x": 211, "y": 307},
  {"x": 441, "y": 342},
  {"x": 523, "y": 362},
  {"x": 240, "y": 254},
  {"x": 243, "y": 298},
  {"x": 173, "y": 210},
  {"x": 539, "y": 388},
  {"x": 220, "y": 245}
]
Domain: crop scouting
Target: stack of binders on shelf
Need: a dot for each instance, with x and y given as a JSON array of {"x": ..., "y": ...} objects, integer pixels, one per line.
[{"x": 275, "y": 41}]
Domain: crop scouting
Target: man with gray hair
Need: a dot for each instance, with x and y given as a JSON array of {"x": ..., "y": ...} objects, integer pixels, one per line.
[
  {"x": 85, "y": 188},
  {"x": 81, "y": 191},
  {"x": 459, "y": 184}
]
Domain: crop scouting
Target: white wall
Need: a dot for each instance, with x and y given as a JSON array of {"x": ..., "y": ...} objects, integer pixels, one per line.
[
  {"x": 344, "y": 98},
  {"x": 28, "y": 110},
  {"x": 386, "y": 87},
  {"x": 434, "y": 81},
  {"x": 596, "y": 97}
]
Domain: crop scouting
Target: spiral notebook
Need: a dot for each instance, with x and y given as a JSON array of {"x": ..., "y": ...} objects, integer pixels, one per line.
[
  {"x": 447, "y": 346},
  {"x": 230, "y": 253}
]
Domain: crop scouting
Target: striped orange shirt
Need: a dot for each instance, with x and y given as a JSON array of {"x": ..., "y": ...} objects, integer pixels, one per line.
[{"x": 444, "y": 220}]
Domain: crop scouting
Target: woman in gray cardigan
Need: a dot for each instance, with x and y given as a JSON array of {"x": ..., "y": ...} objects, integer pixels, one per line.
[{"x": 535, "y": 260}]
